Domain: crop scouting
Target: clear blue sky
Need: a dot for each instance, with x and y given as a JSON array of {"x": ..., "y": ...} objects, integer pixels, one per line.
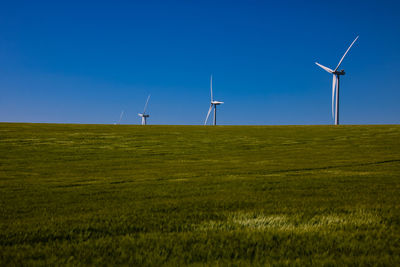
[{"x": 85, "y": 61}]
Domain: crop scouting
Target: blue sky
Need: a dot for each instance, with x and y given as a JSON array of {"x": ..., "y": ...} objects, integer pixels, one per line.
[{"x": 85, "y": 61}]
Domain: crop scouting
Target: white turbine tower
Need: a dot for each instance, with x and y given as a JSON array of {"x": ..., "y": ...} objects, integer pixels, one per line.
[
  {"x": 335, "y": 84},
  {"x": 213, "y": 104},
  {"x": 144, "y": 115}
]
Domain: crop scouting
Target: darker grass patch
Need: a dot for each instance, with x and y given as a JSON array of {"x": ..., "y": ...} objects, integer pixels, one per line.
[{"x": 70, "y": 185}]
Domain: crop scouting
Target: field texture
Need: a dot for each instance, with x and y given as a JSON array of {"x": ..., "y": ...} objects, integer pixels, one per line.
[{"x": 181, "y": 195}]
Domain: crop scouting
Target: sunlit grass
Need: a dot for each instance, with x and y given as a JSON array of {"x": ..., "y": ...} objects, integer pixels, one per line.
[{"x": 296, "y": 223}]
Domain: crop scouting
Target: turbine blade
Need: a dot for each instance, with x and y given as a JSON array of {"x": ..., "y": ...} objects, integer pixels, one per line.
[
  {"x": 325, "y": 68},
  {"x": 211, "y": 88},
  {"x": 340, "y": 62},
  {"x": 145, "y": 106},
  {"x": 208, "y": 114},
  {"x": 334, "y": 82}
]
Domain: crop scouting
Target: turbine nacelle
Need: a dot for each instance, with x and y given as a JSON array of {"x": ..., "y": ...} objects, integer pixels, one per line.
[
  {"x": 341, "y": 72},
  {"x": 143, "y": 115},
  {"x": 216, "y": 102}
]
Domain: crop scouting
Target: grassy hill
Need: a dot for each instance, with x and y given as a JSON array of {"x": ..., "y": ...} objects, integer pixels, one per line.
[{"x": 106, "y": 194}]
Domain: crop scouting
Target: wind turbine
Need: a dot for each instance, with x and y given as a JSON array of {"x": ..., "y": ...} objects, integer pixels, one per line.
[
  {"x": 144, "y": 115},
  {"x": 120, "y": 117},
  {"x": 335, "y": 84},
  {"x": 213, "y": 104}
]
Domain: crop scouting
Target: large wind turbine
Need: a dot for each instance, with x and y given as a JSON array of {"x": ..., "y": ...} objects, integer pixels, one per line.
[
  {"x": 335, "y": 84},
  {"x": 144, "y": 115},
  {"x": 213, "y": 104}
]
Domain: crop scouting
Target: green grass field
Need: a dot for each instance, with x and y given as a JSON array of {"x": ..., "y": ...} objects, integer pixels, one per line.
[{"x": 181, "y": 195}]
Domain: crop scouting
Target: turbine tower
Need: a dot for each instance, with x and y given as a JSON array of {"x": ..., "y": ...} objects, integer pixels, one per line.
[
  {"x": 335, "y": 84},
  {"x": 213, "y": 104},
  {"x": 144, "y": 115}
]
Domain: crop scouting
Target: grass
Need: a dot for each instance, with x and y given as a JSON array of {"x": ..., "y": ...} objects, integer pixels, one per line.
[{"x": 191, "y": 195}]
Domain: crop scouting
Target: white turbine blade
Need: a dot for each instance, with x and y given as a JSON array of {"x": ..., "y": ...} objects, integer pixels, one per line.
[
  {"x": 208, "y": 114},
  {"x": 325, "y": 68},
  {"x": 340, "y": 62},
  {"x": 211, "y": 87},
  {"x": 334, "y": 83},
  {"x": 145, "y": 106}
]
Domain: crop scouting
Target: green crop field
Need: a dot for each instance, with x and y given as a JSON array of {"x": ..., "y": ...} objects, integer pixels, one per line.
[{"x": 194, "y": 195}]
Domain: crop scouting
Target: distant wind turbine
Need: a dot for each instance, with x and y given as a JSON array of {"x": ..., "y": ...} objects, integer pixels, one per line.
[
  {"x": 144, "y": 115},
  {"x": 120, "y": 117},
  {"x": 335, "y": 84},
  {"x": 213, "y": 104}
]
